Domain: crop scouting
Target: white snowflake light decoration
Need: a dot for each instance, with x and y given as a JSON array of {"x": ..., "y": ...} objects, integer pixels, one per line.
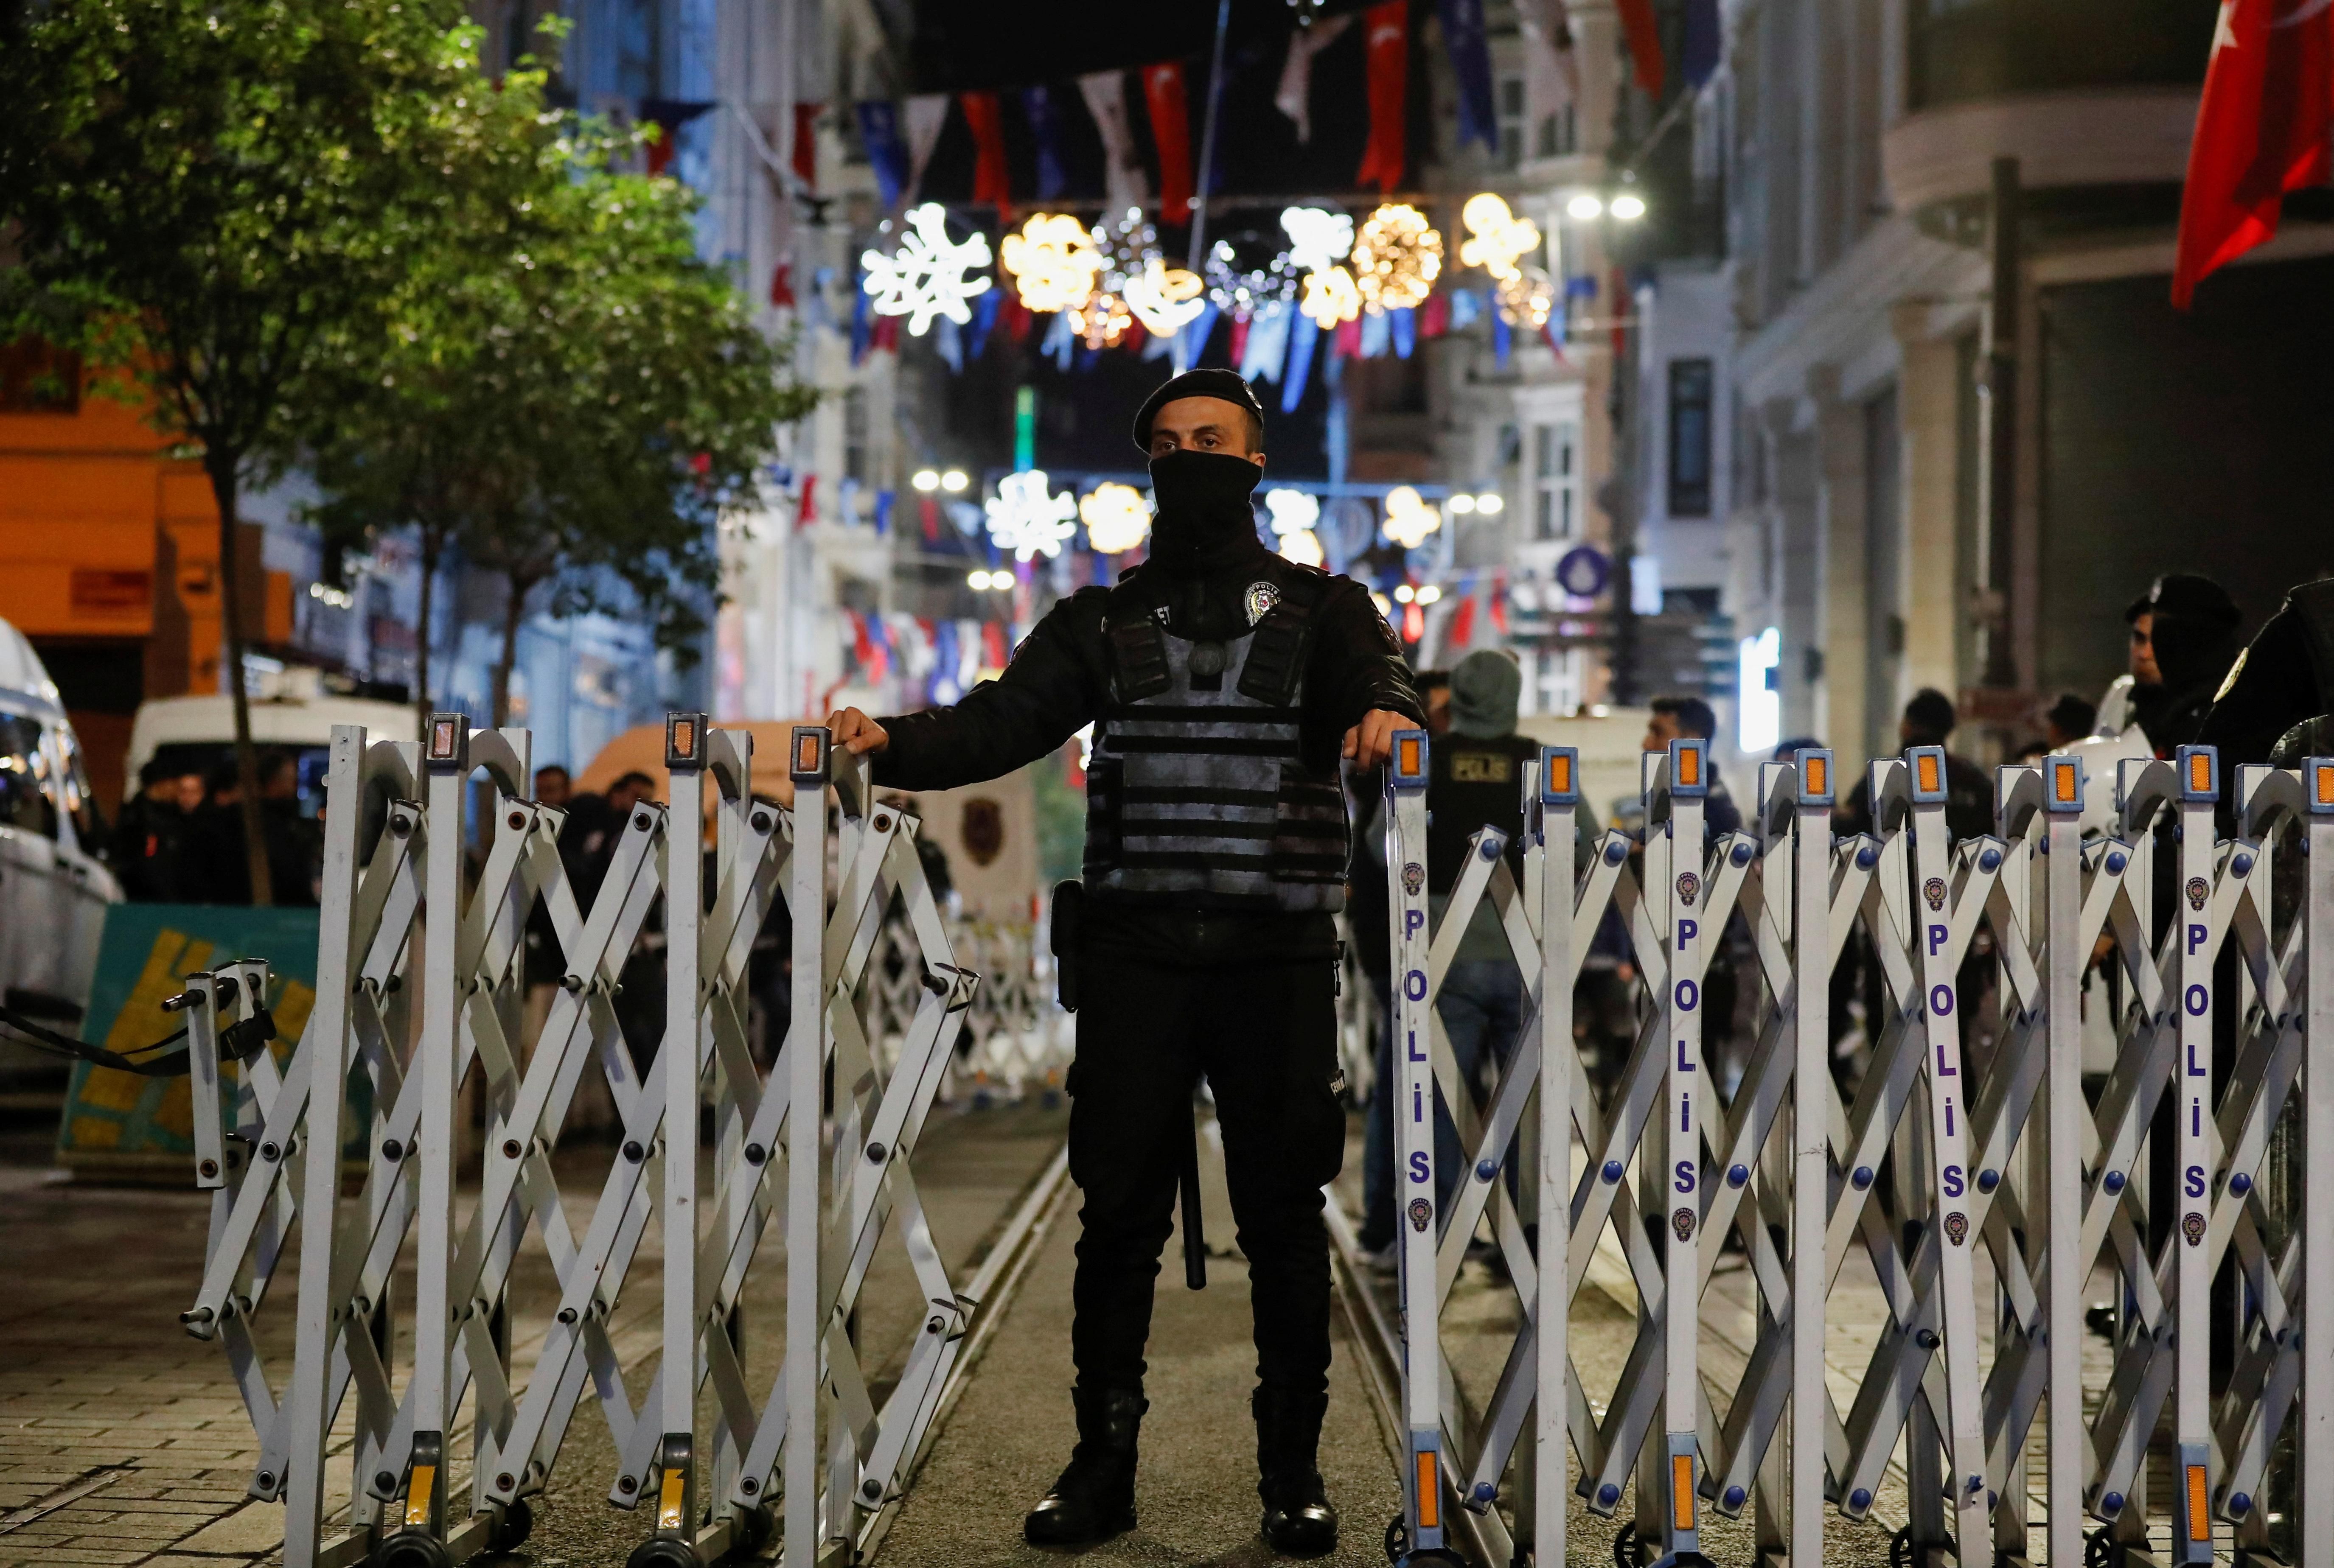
[
  {"x": 1115, "y": 517},
  {"x": 1053, "y": 261},
  {"x": 1498, "y": 235},
  {"x": 1318, "y": 238},
  {"x": 1408, "y": 518},
  {"x": 927, "y": 277},
  {"x": 1292, "y": 511},
  {"x": 1028, "y": 518},
  {"x": 1164, "y": 299}
]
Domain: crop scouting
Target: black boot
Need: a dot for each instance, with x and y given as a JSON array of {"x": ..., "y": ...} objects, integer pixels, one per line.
[
  {"x": 1298, "y": 1519},
  {"x": 1095, "y": 1498}
]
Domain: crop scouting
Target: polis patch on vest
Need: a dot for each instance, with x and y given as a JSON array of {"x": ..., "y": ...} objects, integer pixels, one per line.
[
  {"x": 1483, "y": 767},
  {"x": 1260, "y": 598}
]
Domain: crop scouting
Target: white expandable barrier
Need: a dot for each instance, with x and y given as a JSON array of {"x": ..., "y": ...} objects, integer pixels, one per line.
[
  {"x": 1974, "y": 1182},
  {"x": 428, "y": 880}
]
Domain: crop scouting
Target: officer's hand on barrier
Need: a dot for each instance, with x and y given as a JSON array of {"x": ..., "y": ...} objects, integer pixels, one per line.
[
  {"x": 1371, "y": 742},
  {"x": 857, "y": 733}
]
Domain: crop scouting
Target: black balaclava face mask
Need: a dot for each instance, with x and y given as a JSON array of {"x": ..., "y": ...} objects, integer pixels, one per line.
[{"x": 1203, "y": 521}]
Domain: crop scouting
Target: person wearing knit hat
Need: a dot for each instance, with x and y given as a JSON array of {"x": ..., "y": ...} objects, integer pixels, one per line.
[{"x": 1225, "y": 686}]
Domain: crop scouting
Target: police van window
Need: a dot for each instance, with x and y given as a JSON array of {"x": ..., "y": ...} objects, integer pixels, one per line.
[{"x": 24, "y": 799}]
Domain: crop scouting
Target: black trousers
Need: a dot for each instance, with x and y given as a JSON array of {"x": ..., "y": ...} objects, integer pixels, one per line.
[{"x": 1266, "y": 1038}]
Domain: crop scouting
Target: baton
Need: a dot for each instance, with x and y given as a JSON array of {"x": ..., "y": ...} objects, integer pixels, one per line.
[{"x": 1195, "y": 1240}]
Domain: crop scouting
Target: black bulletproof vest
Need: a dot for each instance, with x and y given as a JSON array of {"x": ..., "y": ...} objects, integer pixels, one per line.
[{"x": 1198, "y": 788}]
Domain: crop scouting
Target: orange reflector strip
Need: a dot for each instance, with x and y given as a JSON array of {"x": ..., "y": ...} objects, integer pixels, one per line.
[
  {"x": 684, "y": 737},
  {"x": 1928, "y": 770},
  {"x": 806, "y": 754},
  {"x": 1407, "y": 765},
  {"x": 1681, "y": 1491},
  {"x": 2065, "y": 774},
  {"x": 416, "y": 1495},
  {"x": 668, "y": 1500},
  {"x": 1818, "y": 782},
  {"x": 2200, "y": 771},
  {"x": 1430, "y": 1494},
  {"x": 442, "y": 736},
  {"x": 1559, "y": 773},
  {"x": 2326, "y": 786},
  {"x": 2200, "y": 1523},
  {"x": 1690, "y": 765}
]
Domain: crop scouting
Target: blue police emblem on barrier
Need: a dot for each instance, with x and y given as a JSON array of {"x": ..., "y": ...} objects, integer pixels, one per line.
[
  {"x": 2193, "y": 1227},
  {"x": 1414, "y": 877},
  {"x": 1957, "y": 1227},
  {"x": 2197, "y": 892},
  {"x": 1682, "y": 1223},
  {"x": 1420, "y": 1211},
  {"x": 1933, "y": 890},
  {"x": 1688, "y": 885}
]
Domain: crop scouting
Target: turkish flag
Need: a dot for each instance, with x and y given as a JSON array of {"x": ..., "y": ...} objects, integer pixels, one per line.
[
  {"x": 1386, "y": 34},
  {"x": 1643, "y": 36},
  {"x": 1170, "y": 132},
  {"x": 991, "y": 184},
  {"x": 2261, "y": 130}
]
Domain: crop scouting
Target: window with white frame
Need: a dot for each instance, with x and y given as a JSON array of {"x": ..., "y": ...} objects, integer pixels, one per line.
[
  {"x": 1555, "y": 479},
  {"x": 1555, "y": 681},
  {"x": 1511, "y": 121}
]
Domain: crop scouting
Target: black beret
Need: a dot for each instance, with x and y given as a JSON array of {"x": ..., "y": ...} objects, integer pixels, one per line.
[
  {"x": 2189, "y": 595},
  {"x": 1228, "y": 385}
]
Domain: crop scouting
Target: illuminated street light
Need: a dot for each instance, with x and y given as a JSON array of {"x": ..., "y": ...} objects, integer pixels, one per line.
[
  {"x": 954, "y": 481},
  {"x": 1460, "y": 504},
  {"x": 1585, "y": 207},
  {"x": 977, "y": 580},
  {"x": 1628, "y": 206},
  {"x": 1429, "y": 594},
  {"x": 927, "y": 480},
  {"x": 1490, "y": 504},
  {"x": 1406, "y": 594}
]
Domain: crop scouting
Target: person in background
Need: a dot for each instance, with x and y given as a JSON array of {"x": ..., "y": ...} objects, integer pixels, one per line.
[
  {"x": 2283, "y": 680},
  {"x": 295, "y": 845},
  {"x": 2184, "y": 633},
  {"x": 1929, "y": 719},
  {"x": 1434, "y": 691},
  {"x": 546, "y": 965},
  {"x": 2068, "y": 720},
  {"x": 1476, "y": 782},
  {"x": 151, "y": 840},
  {"x": 1689, "y": 717}
]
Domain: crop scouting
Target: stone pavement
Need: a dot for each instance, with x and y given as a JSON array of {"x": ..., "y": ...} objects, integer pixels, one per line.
[{"x": 122, "y": 1440}]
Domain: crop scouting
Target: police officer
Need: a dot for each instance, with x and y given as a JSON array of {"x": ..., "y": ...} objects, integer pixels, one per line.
[{"x": 1224, "y": 685}]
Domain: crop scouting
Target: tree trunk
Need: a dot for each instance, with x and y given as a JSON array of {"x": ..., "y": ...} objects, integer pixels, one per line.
[
  {"x": 514, "y": 611},
  {"x": 221, "y": 468},
  {"x": 433, "y": 547}
]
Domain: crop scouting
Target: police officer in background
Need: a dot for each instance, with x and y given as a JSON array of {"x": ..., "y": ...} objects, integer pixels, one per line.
[{"x": 1224, "y": 685}]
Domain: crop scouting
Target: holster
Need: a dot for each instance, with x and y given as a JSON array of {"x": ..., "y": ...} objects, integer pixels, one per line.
[{"x": 1069, "y": 911}]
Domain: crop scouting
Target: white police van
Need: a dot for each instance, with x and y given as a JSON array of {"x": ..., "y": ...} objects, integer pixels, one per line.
[{"x": 53, "y": 887}]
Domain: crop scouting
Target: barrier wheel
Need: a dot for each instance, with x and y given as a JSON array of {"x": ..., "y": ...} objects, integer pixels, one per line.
[
  {"x": 1397, "y": 1539},
  {"x": 1624, "y": 1546},
  {"x": 662, "y": 1551},
  {"x": 2101, "y": 1549},
  {"x": 1904, "y": 1552},
  {"x": 517, "y": 1524},
  {"x": 750, "y": 1529},
  {"x": 412, "y": 1549}
]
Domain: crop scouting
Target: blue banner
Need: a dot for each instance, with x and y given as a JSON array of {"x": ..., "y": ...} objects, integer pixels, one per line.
[
  {"x": 878, "y": 133},
  {"x": 1045, "y": 119},
  {"x": 1470, "y": 61}
]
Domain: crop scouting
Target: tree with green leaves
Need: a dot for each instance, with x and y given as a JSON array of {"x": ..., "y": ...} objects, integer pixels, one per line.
[
  {"x": 573, "y": 398},
  {"x": 211, "y": 200}
]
